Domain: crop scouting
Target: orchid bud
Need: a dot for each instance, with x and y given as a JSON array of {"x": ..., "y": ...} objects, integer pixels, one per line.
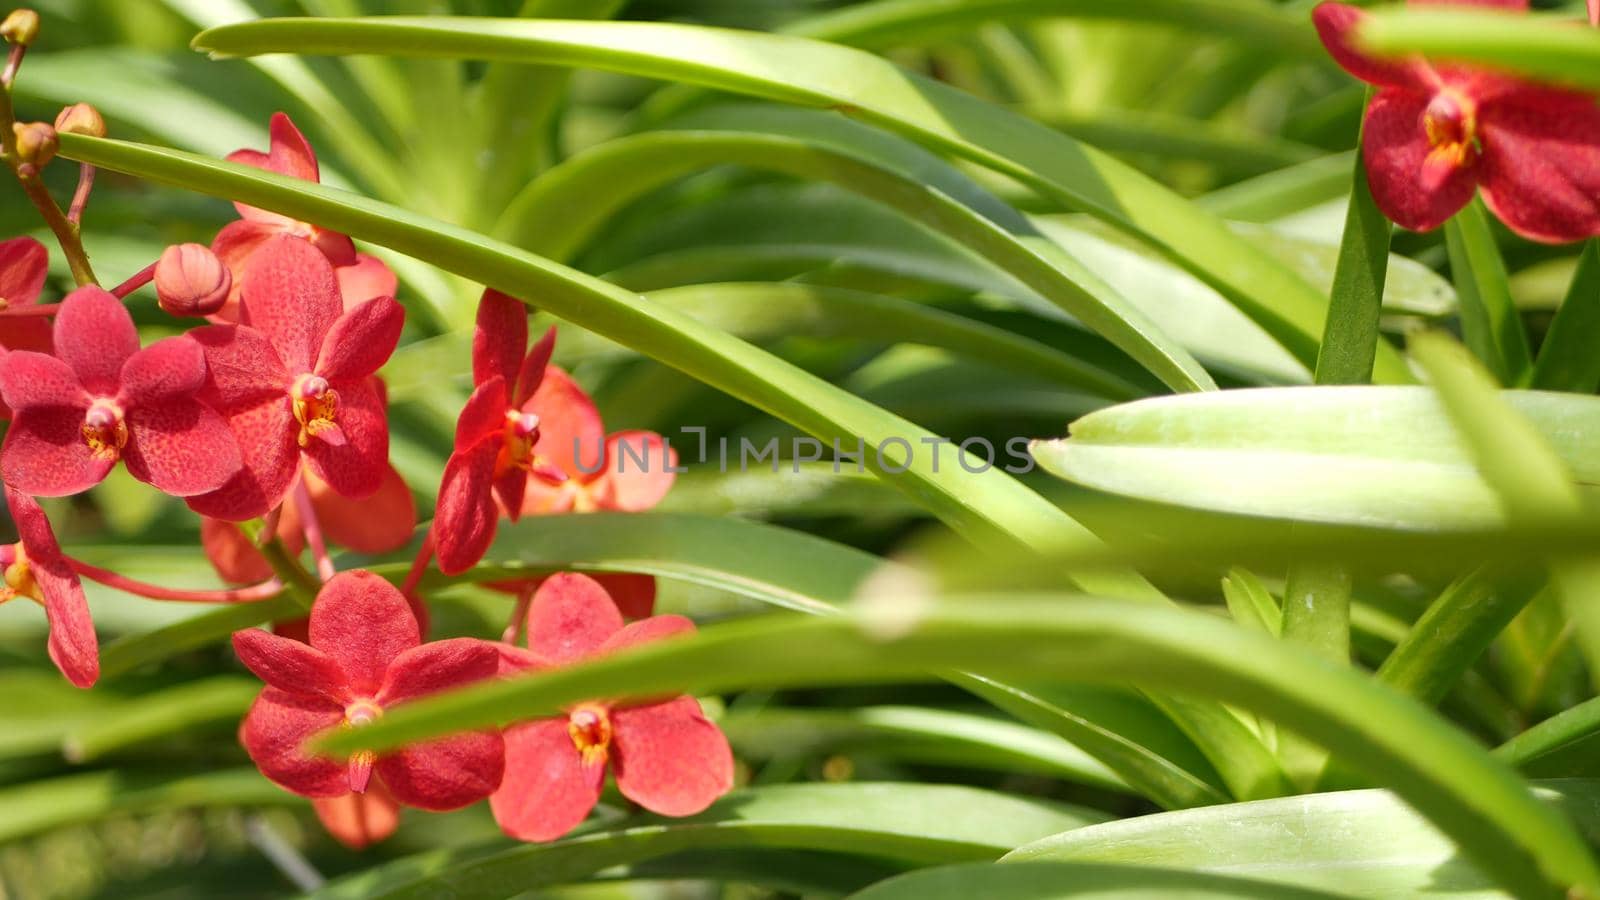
[
  {"x": 81, "y": 118},
  {"x": 191, "y": 280},
  {"x": 21, "y": 26},
  {"x": 36, "y": 143}
]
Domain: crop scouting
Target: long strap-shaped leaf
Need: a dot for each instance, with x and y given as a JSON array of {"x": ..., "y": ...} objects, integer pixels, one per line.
[
  {"x": 990, "y": 506},
  {"x": 811, "y": 73},
  {"x": 586, "y": 191},
  {"x": 1528, "y": 848}
]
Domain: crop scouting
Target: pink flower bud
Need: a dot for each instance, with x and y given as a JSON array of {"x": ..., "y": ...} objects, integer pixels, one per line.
[
  {"x": 81, "y": 118},
  {"x": 20, "y": 26},
  {"x": 191, "y": 280}
]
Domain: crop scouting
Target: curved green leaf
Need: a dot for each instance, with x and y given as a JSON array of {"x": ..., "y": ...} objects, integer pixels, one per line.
[
  {"x": 132, "y": 651},
  {"x": 1352, "y": 843},
  {"x": 989, "y": 506},
  {"x": 1483, "y": 806},
  {"x": 1565, "y": 745},
  {"x": 810, "y": 73},
  {"x": 1060, "y": 881},
  {"x": 1548, "y": 49},
  {"x": 39, "y": 806},
  {"x": 1378, "y": 456},
  {"x": 909, "y": 822},
  {"x": 199, "y": 703}
]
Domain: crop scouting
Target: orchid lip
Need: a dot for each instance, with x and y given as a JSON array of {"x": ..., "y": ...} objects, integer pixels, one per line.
[
  {"x": 590, "y": 728},
  {"x": 104, "y": 430}
]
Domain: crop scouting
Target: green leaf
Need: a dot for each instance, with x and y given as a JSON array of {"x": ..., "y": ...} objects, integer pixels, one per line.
[
  {"x": 587, "y": 190},
  {"x": 1351, "y": 843},
  {"x": 1383, "y": 457},
  {"x": 914, "y": 734},
  {"x": 1565, "y": 745},
  {"x": 809, "y": 73},
  {"x": 1567, "y": 361},
  {"x": 1546, "y": 48},
  {"x": 899, "y": 636},
  {"x": 1250, "y": 603},
  {"x": 989, "y": 506},
  {"x": 1275, "y": 195},
  {"x": 194, "y": 704},
  {"x": 1490, "y": 322},
  {"x": 133, "y": 651},
  {"x": 1451, "y": 634},
  {"x": 40, "y": 806},
  {"x": 916, "y": 823},
  {"x": 1350, "y": 337},
  {"x": 1058, "y": 881}
]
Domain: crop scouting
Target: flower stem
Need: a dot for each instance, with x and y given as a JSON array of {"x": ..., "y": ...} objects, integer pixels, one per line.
[
  {"x": 135, "y": 281},
  {"x": 313, "y": 531},
  {"x": 266, "y": 590},
  {"x": 37, "y": 309},
  {"x": 66, "y": 232},
  {"x": 419, "y": 566},
  {"x": 80, "y": 197}
]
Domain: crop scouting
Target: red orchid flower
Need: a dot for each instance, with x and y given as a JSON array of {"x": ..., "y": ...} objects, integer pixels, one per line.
[
  {"x": 365, "y": 656},
  {"x": 289, "y": 154},
  {"x": 628, "y": 471},
  {"x": 101, "y": 399},
  {"x": 293, "y": 381},
  {"x": 667, "y": 756},
  {"x": 359, "y": 820},
  {"x": 1433, "y": 135},
  {"x": 496, "y": 436},
  {"x": 24, "y": 263},
  {"x": 34, "y": 567}
]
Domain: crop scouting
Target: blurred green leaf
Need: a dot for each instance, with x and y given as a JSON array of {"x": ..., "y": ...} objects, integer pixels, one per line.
[
  {"x": 1058, "y": 881},
  {"x": 76, "y": 799}
]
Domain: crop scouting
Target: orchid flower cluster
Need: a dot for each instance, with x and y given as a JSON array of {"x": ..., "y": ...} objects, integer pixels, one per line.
[{"x": 269, "y": 413}]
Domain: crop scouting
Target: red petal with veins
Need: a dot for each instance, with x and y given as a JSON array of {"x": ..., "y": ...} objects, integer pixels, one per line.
[
  {"x": 291, "y": 296},
  {"x": 1336, "y": 25},
  {"x": 291, "y": 666},
  {"x": 514, "y": 659},
  {"x": 571, "y": 617},
  {"x": 338, "y": 248},
  {"x": 438, "y": 666},
  {"x": 45, "y": 454},
  {"x": 73, "y": 646},
  {"x": 484, "y": 414},
  {"x": 531, "y": 375},
  {"x": 638, "y": 471},
  {"x": 644, "y": 631},
  {"x": 242, "y": 368},
  {"x": 363, "y": 622},
  {"x": 234, "y": 245},
  {"x": 356, "y": 467},
  {"x": 547, "y": 789},
  {"x": 364, "y": 279},
  {"x": 635, "y": 595},
  {"x": 167, "y": 371},
  {"x": 27, "y": 333},
  {"x": 444, "y": 774},
  {"x": 291, "y": 153},
  {"x": 669, "y": 758},
  {"x": 275, "y": 732},
  {"x": 570, "y": 429},
  {"x": 509, "y": 488},
  {"x": 359, "y": 820},
  {"x": 1395, "y": 148},
  {"x": 95, "y": 335},
  {"x": 1541, "y": 163},
  {"x": 265, "y": 433},
  {"x": 34, "y": 379},
  {"x": 24, "y": 263},
  {"x": 362, "y": 340},
  {"x": 465, "y": 517},
  {"x": 499, "y": 337},
  {"x": 175, "y": 442},
  {"x": 380, "y": 523}
]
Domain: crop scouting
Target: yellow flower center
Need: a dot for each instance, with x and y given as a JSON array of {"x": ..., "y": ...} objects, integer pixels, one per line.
[
  {"x": 316, "y": 406},
  {"x": 1452, "y": 127},
  {"x": 104, "y": 430},
  {"x": 19, "y": 580},
  {"x": 590, "y": 729}
]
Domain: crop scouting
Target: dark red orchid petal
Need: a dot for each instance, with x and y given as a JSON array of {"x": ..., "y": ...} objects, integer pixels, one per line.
[
  {"x": 638, "y": 472},
  {"x": 291, "y": 666},
  {"x": 540, "y": 498},
  {"x": 483, "y": 417},
  {"x": 359, "y": 820},
  {"x": 234, "y": 245},
  {"x": 265, "y": 433},
  {"x": 1519, "y": 5},
  {"x": 635, "y": 595},
  {"x": 571, "y": 617},
  {"x": 27, "y": 333},
  {"x": 291, "y": 296},
  {"x": 242, "y": 368},
  {"x": 465, "y": 517},
  {"x": 354, "y": 468},
  {"x": 1541, "y": 163},
  {"x": 182, "y": 449},
  {"x": 499, "y": 337},
  {"x": 364, "y": 279},
  {"x": 73, "y": 646},
  {"x": 169, "y": 370},
  {"x": 445, "y": 774},
  {"x": 437, "y": 666},
  {"x": 338, "y": 248},
  {"x": 33, "y": 379},
  {"x": 1415, "y": 192},
  {"x": 275, "y": 732},
  {"x": 644, "y": 631},
  {"x": 361, "y": 340},
  {"x": 24, "y": 263},
  {"x": 380, "y": 523},
  {"x": 547, "y": 789},
  {"x": 534, "y": 365},
  {"x": 45, "y": 454},
  {"x": 514, "y": 659},
  {"x": 290, "y": 152},
  {"x": 669, "y": 758},
  {"x": 509, "y": 487},
  {"x": 1336, "y": 25},
  {"x": 363, "y": 622},
  {"x": 95, "y": 335},
  {"x": 570, "y": 428}
]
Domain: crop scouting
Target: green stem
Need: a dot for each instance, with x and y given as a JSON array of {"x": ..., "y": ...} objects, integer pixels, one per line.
[{"x": 65, "y": 231}]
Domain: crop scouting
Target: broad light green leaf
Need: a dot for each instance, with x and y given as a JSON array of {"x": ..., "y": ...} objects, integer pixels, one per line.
[
  {"x": 39, "y": 806},
  {"x": 1352, "y": 843},
  {"x": 810, "y": 73},
  {"x": 1376, "y": 456},
  {"x": 199, "y": 703},
  {"x": 1525, "y": 846},
  {"x": 1061, "y": 881},
  {"x": 1549, "y": 49},
  {"x": 916, "y": 823}
]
